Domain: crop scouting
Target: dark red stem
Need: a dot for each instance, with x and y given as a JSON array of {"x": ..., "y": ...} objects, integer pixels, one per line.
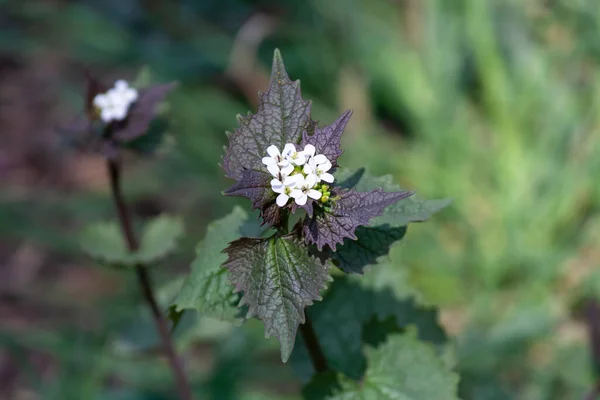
[{"x": 183, "y": 386}]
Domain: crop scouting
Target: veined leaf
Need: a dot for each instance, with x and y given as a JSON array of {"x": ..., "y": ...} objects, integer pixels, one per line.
[
  {"x": 279, "y": 278},
  {"x": 351, "y": 210},
  {"x": 374, "y": 241},
  {"x": 207, "y": 289},
  {"x": 349, "y": 310},
  {"x": 403, "y": 368},
  {"x": 327, "y": 140},
  {"x": 281, "y": 118},
  {"x": 408, "y": 209}
]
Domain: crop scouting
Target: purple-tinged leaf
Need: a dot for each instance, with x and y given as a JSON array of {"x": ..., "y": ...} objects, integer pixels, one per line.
[
  {"x": 327, "y": 140},
  {"x": 256, "y": 185},
  {"x": 279, "y": 279},
  {"x": 142, "y": 112},
  {"x": 408, "y": 210},
  {"x": 281, "y": 118},
  {"x": 350, "y": 211}
]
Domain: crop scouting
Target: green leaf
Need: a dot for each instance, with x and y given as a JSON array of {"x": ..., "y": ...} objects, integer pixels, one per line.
[
  {"x": 371, "y": 245},
  {"x": 403, "y": 368},
  {"x": 410, "y": 209},
  {"x": 207, "y": 289},
  {"x": 159, "y": 238},
  {"x": 105, "y": 242},
  {"x": 279, "y": 279},
  {"x": 346, "y": 318}
]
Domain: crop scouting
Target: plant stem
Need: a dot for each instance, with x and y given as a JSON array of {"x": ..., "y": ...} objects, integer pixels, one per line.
[
  {"x": 314, "y": 348},
  {"x": 183, "y": 386}
]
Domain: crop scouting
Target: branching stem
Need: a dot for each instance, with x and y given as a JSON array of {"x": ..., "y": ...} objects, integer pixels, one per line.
[{"x": 183, "y": 386}]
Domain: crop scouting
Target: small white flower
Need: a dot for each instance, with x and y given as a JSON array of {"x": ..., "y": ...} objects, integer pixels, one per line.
[
  {"x": 274, "y": 168},
  {"x": 114, "y": 104},
  {"x": 275, "y": 156},
  {"x": 295, "y": 157},
  {"x": 319, "y": 165},
  {"x": 309, "y": 151},
  {"x": 285, "y": 188},
  {"x": 276, "y": 163},
  {"x": 304, "y": 189}
]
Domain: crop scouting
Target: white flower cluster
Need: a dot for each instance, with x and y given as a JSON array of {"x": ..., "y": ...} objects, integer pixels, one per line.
[
  {"x": 298, "y": 173},
  {"x": 114, "y": 104}
]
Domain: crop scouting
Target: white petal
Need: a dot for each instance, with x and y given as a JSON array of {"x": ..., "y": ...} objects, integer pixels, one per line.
[
  {"x": 308, "y": 169},
  {"x": 288, "y": 169},
  {"x": 296, "y": 193},
  {"x": 131, "y": 95},
  {"x": 120, "y": 113},
  {"x": 277, "y": 186},
  {"x": 327, "y": 177},
  {"x": 309, "y": 150},
  {"x": 293, "y": 181},
  {"x": 282, "y": 199},
  {"x": 288, "y": 150},
  {"x": 273, "y": 151},
  {"x": 320, "y": 159},
  {"x": 106, "y": 115},
  {"x": 310, "y": 180},
  {"x": 284, "y": 162},
  {"x": 302, "y": 199},
  {"x": 300, "y": 159},
  {"x": 326, "y": 166},
  {"x": 115, "y": 100},
  {"x": 273, "y": 169},
  {"x": 100, "y": 101},
  {"x": 121, "y": 85},
  {"x": 314, "y": 194},
  {"x": 268, "y": 160}
]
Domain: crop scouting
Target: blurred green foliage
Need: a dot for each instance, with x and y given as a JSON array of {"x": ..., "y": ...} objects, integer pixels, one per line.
[{"x": 491, "y": 103}]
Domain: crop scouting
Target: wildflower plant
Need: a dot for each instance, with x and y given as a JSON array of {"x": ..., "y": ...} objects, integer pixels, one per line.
[
  {"x": 119, "y": 117},
  {"x": 114, "y": 119},
  {"x": 286, "y": 164},
  {"x": 362, "y": 327}
]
